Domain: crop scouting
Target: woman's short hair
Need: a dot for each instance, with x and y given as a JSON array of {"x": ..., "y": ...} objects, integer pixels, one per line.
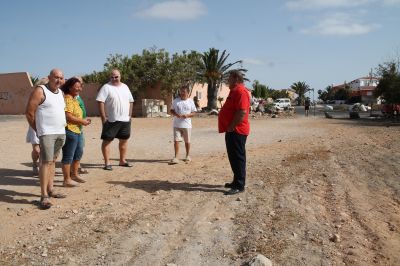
[{"x": 69, "y": 84}]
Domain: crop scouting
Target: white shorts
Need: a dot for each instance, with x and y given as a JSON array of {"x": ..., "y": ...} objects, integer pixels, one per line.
[
  {"x": 31, "y": 136},
  {"x": 182, "y": 134}
]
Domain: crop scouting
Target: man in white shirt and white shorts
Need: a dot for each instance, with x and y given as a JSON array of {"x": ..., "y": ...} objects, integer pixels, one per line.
[{"x": 182, "y": 109}]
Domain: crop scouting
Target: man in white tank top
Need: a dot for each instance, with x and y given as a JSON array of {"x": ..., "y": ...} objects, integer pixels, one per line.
[{"x": 45, "y": 114}]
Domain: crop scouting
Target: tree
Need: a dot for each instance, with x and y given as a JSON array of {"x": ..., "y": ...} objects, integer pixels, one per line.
[
  {"x": 151, "y": 68},
  {"x": 300, "y": 88},
  {"x": 214, "y": 71},
  {"x": 259, "y": 90},
  {"x": 275, "y": 94},
  {"x": 343, "y": 93},
  {"x": 327, "y": 94},
  {"x": 389, "y": 83},
  {"x": 34, "y": 80}
]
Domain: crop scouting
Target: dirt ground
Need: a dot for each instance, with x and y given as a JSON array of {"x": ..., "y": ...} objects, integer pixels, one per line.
[{"x": 319, "y": 192}]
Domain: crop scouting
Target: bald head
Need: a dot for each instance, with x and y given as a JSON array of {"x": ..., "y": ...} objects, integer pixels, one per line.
[{"x": 56, "y": 79}]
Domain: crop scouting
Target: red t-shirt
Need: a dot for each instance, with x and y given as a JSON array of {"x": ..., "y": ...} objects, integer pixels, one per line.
[{"x": 238, "y": 99}]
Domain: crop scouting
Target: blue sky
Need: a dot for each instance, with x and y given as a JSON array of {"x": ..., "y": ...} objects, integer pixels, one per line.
[{"x": 321, "y": 42}]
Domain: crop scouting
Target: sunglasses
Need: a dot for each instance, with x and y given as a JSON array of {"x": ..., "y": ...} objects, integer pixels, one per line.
[{"x": 115, "y": 77}]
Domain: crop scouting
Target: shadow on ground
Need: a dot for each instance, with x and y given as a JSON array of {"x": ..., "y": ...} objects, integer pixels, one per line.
[
  {"x": 15, "y": 177},
  {"x": 152, "y": 186},
  {"x": 144, "y": 160},
  {"x": 8, "y": 196}
]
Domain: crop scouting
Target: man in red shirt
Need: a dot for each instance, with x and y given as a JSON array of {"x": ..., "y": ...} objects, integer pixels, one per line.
[{"x": 233, "y": 119}]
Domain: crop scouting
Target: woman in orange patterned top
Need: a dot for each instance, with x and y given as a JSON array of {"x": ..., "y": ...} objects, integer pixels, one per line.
[{"x": 73, "y": 149}]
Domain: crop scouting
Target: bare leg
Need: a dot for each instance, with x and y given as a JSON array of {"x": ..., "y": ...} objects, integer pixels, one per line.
[
  {"x": 187, "y": 146},
  {"x": 44, "y": 175},
  {"x": 35, "y": 158},
  {"x": 35, "y": 154},
  {"x": 68, "y": 182},
  {"x": 66, "y": 168},
  {"x": 75, "y": 172},
  {"x": 123, "y": 148},
  {"x": 52, "y": 173},
  {"x": 105, "y": 149},
  {"x": 176, "y": 148},
  {"x": 74, "y": 168}
]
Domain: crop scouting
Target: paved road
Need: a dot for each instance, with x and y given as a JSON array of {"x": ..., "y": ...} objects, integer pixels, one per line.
[{"x": 319, "y": 111}]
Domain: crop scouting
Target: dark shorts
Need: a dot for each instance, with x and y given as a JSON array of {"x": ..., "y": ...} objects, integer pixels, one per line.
[
  {"x": 117, "y": 129},
  {"x": 306, "y": 107}
]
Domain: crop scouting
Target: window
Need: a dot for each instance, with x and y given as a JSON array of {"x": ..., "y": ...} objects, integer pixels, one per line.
[
  {"x": 198, "y": 95},
  {"x": 3, "y": 95}
]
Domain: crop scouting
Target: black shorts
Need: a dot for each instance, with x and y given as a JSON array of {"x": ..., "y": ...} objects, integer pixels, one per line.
[
  {"x": 117, "y": 129},
  {"x": 306, "y": 108}
]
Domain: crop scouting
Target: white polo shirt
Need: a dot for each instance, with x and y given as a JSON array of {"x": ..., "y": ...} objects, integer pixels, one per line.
[{"x": 183, "y": 107}]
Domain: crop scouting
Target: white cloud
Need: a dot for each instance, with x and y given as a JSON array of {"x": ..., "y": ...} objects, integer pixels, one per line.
[
  {"x": 252, "y": 61},
  {"x": 175, "y": 10},
  {"x": 319, "y": 4},
  {"x": 340, "y": 24}
]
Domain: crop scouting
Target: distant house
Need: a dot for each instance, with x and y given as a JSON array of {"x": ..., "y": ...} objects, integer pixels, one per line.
[
  {"x": 363, "y": 87},
  {"x": 292, "y": 94}
]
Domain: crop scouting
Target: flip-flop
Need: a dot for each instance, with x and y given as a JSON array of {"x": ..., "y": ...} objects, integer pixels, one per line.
[
  {"x": 53, "y": 194},
  {"x": 126, "y": 164},
  {"x": 107, "y": 167},
  {"x": 44, "y": 203}
]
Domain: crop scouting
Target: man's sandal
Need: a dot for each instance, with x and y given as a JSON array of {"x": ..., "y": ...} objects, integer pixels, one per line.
[{"x": 45, "y": 203}]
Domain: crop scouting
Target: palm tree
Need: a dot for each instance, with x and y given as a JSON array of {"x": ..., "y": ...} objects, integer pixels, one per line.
[
  {"x": 214, "y": 72},
  {"x": 34, "y": 80},
  {"x": 300, "y": 88}
]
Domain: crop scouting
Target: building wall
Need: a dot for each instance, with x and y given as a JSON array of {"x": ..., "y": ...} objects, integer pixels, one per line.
[
  {"x": 363, "y": 82},
  {"x": 88, "y": 95},
  {"x": 201, "y": 90},
  {"x": 15, "y": 89}
]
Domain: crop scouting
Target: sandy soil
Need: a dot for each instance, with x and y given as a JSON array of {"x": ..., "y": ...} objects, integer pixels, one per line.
[{"x": 319, "y": 192}]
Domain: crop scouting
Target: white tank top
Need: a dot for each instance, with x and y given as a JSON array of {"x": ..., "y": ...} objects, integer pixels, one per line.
[{"x": 50, "y": 115}]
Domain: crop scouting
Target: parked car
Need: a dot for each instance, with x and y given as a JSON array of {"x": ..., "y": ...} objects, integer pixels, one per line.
[
  {"x": 390, "y": 110},
  {"x": 282, "y": 103}
]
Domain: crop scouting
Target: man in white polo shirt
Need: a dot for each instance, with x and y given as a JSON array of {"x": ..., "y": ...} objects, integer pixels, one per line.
[
  {"x": 115, "y": 104},
  {"x": 182, "y": 109}
]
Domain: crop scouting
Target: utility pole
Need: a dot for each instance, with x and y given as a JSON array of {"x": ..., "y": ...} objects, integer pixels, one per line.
[{"x": 313, "y": 99}]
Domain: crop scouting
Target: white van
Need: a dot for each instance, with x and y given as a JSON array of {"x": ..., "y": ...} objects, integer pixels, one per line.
[{"x": 282, "y": 103}]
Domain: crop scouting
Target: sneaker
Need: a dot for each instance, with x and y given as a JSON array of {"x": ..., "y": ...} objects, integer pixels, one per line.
[
  {"x": 174, "y": 161},
  {"x": 188, "y": 159},
  {"x": 234, "y": 191}
]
